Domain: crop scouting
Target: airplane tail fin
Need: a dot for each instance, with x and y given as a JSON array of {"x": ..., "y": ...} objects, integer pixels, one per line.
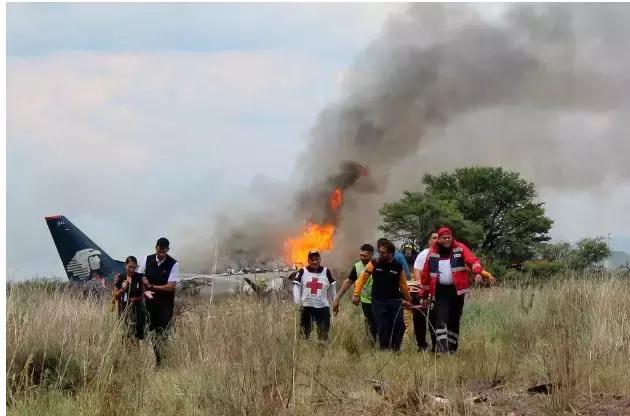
[{"x": 82, "y": 258}]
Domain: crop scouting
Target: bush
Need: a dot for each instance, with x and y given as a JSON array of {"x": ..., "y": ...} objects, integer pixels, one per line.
[{"x": 543, "y": 269}]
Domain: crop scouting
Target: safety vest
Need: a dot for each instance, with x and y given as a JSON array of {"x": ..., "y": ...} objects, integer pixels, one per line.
[
  {"x": 460, "y": 256},
  {"x": 366, "y": 292}
]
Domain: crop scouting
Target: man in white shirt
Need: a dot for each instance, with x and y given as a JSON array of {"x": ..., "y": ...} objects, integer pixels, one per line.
[
  {"x": 314, "y": 290},
  {"x": 161, "y": 275},
  {"x": 420, "y": 316}
]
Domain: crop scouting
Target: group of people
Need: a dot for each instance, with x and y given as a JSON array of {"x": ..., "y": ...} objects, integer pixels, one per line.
[
  {"x": 146, "y": 294},
  {"x": 384, "y": 286},
  {"x": 433, "y": 296}
]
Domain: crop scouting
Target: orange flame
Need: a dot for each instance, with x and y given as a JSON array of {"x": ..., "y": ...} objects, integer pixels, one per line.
[
  {"x": 335, "y": 199},
  {"x": 315, "y": 236}
]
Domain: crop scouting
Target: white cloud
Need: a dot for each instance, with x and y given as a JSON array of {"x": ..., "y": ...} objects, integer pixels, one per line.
[{"x": 113, "y": 135}]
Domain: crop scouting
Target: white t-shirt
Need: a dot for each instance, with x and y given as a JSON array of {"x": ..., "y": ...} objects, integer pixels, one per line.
[
  {"x": 445, "y": 275},
  {"x": 421, "y": 259}
]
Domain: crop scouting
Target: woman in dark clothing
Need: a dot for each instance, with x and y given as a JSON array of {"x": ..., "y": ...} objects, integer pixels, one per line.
[{"x": 129, "y": 293}]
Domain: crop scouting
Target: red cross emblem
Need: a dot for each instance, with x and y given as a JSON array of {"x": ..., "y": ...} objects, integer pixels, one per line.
[{"x": 314, "y": 285}]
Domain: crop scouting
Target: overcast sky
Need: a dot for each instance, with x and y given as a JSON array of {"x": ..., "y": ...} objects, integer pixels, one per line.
[{"x": 116, "y": 112}]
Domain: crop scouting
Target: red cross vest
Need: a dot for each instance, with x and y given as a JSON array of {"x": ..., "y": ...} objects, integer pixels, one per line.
[{"x": 314, "y": 288}]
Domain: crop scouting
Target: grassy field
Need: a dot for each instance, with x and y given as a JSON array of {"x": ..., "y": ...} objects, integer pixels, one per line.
[{"x": 240, "y": 356}]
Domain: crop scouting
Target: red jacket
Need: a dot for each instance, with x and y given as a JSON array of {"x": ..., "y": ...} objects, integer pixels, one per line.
[{"x": 461, "y": 256}]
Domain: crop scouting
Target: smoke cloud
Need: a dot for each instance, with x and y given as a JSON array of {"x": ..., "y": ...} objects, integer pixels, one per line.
[{"x": 540, "y": 89}]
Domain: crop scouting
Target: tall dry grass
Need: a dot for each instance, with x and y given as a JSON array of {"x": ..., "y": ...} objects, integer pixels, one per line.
[{"x": 240, "y": 356}]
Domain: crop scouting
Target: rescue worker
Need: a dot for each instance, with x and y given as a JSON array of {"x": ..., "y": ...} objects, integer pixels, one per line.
[
  {"x": 444, "y": 277},
  {"x": 422, "y": 315},
  {"x": 389, "y": 294},
  {"x": 129, "y": 293},
  {"x": 398, "y": 256},
  {"x": 161, "y": 276},
  {"x": 366, "y": 252},
  {"x": 313, "y": 289},
  {"x": 410, "y": 252}
]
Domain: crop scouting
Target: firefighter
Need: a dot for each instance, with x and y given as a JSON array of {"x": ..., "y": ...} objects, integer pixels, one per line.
[{"x": 444, "y": 276}]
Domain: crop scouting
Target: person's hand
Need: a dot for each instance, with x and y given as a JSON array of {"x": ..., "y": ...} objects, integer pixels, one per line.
[
  {"x": 491, "y": 280},
  {"x": 335, "y": 308},
  {"x": 356, "y": 300},
  {"x": 424, "y": 303},
  {"x": 124, "y": 285},
  {"x": 145, "y": 282},
  {"x": 478, "y": 279}
]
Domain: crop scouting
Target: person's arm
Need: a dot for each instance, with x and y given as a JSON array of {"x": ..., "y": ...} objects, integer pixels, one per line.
[
  {"x": 119, "y": 286},
  {"x": 297, "y": 286},
  {"x": 425, "y": 280},
  {"x": 332, "y": 288},
  {"x": 142, "y": 266},
  {"x": 117, "y": 293},
  {"x": 418, "y": 266},
  {"x": 489, "y": 277},
  {"x": 297, "y": 293},
  {"x": 471, "y": 260},
  {"x": 401, "y": 259},
  {"x": 343, "y": 289},
  {"x": 169, "y": 287},
  {"x": 404, "y": 289},
  {"x": 361, "y": 281},
  {"x": 349, "y": 281}
]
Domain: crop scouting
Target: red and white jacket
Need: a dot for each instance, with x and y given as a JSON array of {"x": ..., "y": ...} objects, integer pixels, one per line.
[{"x": 461, "y": 256}]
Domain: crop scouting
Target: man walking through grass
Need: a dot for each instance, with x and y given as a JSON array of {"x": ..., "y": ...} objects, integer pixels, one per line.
[
  {"x": 366, "y": 253},
  {"x": 314, "y": 289},
  {"x": 161, "y": 276},
  {"x": 444, "y": 276},
  {"x": 389, "y": 293}
]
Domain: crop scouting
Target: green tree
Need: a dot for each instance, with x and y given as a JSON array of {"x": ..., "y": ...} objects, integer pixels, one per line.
[
  {"x": 553, "y": 251},
  {"x": 416, "y": 216},
  {"x": 589, "y": 252},
  {"x": 492, "y": 209}
]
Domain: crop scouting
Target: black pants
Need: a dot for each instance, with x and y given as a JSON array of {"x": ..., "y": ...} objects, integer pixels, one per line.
[
  {"x": 135, "y": 316},
  {"x": 420, "y": 323},
  {"x": 159, "y": 323},
  {"x": 321, "y": 316},
  {"x": 389, "y": 322},
  {"x": 446, "y": 315},
  {"x": 370, "y": 322}
]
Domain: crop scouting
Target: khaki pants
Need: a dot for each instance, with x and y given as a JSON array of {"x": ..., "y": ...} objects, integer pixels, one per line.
[{"x": 408, "y": 319}]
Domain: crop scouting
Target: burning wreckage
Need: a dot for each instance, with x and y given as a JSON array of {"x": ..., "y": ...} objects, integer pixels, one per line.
[{"x": 320, "y": 228}]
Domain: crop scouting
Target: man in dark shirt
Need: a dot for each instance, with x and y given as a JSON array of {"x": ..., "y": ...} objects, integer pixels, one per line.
[
  {"x": 365, "y": 255},
  {"x": 161, "y": 275},
  {"x": 389, "y": 294}
]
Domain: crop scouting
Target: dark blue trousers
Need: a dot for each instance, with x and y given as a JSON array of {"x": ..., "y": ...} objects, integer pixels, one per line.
[{"x": 389, "y": 323}]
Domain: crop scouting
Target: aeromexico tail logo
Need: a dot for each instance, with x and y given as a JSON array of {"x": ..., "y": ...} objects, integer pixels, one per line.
[{"x": 84, "y": 263}]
